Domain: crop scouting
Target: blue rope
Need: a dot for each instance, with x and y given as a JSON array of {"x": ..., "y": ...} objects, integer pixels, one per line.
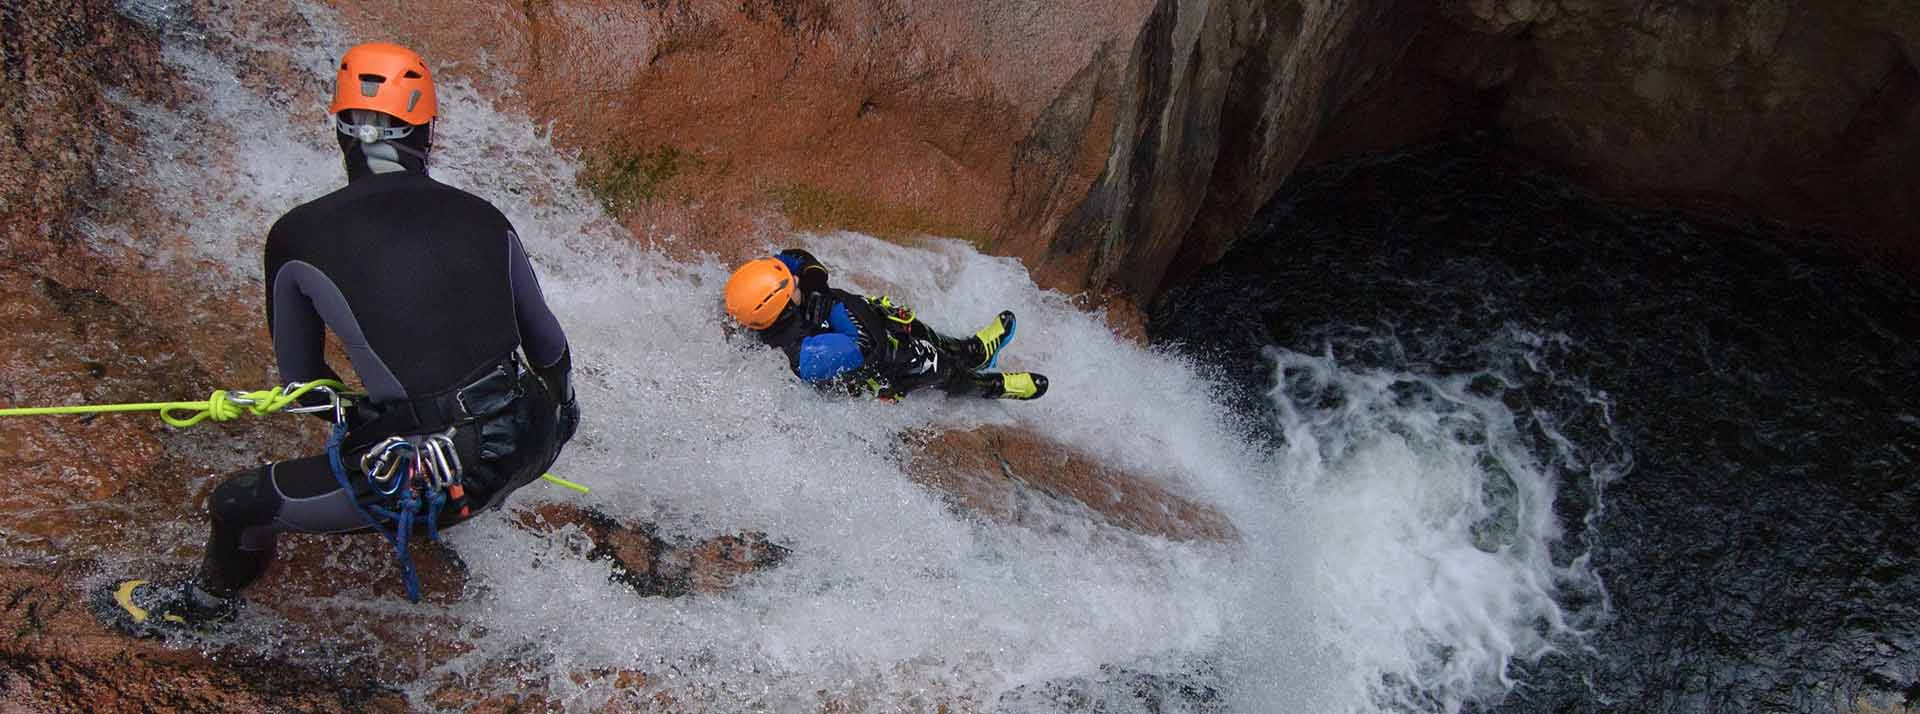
[
  {"x": 402, "y": 533},
  {"x": 403, "y": 520},
  {"x": 435, "y": 500}
]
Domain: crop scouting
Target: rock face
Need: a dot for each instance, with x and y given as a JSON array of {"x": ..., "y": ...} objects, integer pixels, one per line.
[
  {"x": 56, "y": 658},
  {"x": 696, "y": 117},
  {"x": 653, "y": 566},
  {"x": 57, "y": 61},
  {"x": 1219, "y": 101},
  {"x": 1801, "y": 110},
  {"x": 1118, "y": 148},
  {"x": 1804, "y": 110}
]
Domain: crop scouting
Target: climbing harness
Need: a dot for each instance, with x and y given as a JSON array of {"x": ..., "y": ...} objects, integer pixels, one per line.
[
  {"x": 407, "y": 471},
  {"x": 897, "y": 313}
]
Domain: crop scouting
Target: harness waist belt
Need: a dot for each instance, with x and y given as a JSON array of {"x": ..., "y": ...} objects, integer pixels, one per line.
[{"x": 491, "y": 394}]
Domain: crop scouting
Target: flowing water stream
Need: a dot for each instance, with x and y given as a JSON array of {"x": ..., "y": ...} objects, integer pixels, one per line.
[{"x": 1419, "y": 495}]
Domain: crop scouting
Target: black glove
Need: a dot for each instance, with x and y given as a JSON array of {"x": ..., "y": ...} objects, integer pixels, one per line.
[
  {"x": 569, "y": 419},
  {"x": 812, "y": 274},
  {"x": 558, "y": 377},
  {"x": 814, "y": 308},
  {"x": 558, "y": 380}
]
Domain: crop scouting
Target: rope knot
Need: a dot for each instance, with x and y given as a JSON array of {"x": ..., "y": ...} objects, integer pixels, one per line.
[
  {"x": 222, "y": 408},
  {"x": 268, "y": 401}
]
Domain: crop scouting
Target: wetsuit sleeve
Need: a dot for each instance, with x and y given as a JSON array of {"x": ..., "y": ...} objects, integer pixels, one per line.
[
  {"x": 841, "y": 349},
  {"x": 827, "y": 355},
  {"x": 298, "y": 332},
  {"x": 540, "y": 333},
  {"x": 842, "y": 321},
  {"x": 813, "y": 274}
]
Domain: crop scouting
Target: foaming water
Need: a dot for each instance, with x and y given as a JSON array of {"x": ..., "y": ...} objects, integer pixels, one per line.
[
  {"x": 1393, "y": 554},
  {"x": 1434, "y": 518},
  {"x": 1746, "y": 373}
]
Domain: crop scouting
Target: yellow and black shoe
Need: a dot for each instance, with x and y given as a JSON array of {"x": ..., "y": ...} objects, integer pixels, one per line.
[
  {"x": 994, "y": 338},
  {"x": 1022, "y": 385},
  {"x": 144, "y": 609}
]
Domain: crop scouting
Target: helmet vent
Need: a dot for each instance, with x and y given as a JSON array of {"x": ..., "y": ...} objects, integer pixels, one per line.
[
  {"x": 411, "y": 74},
  {"x": 370, "y": 85}
]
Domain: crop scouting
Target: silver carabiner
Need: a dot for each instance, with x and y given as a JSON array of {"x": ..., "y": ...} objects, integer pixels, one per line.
[
  {"x": 335, "y": 403},
  {"x": 444, "y": 459},
  {"x": 379, "y": 462}
]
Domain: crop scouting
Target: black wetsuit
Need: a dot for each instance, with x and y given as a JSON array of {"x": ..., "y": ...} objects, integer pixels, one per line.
[
  {"x": 898, "y": 353},
  {"x": 428, "y": 288}
]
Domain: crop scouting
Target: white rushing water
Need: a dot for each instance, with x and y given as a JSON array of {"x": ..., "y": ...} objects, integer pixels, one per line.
[{"x": 1359, "y": 578}]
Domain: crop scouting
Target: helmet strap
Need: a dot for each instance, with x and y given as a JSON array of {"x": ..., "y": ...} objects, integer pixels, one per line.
[{"x": 395, "y": 148}]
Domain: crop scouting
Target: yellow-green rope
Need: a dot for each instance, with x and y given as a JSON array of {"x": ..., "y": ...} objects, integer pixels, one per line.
[
  {"x": 221, "y": 406},
  {"x": 556, "y": 480}
]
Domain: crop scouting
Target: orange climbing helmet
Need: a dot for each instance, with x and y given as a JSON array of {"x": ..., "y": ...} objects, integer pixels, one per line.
[
  {"x": 386, "y": 78},
  {"x": 759, "y": 291}
]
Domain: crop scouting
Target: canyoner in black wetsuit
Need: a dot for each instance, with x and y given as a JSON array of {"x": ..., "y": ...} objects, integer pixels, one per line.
[
  {"x": 867, "y": 344},
  {"x": 429, "y": 289}
]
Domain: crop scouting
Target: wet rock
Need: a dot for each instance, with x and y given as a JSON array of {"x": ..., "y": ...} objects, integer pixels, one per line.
[
  {"x": 68, "y": 346},
  {"x": 55, "y": 657},
  {"x": 1218, "y": 103},
  {"x": 654, "y": 566},
  {"x": 58, "y": 62},
  {"x": 1791, "y": 108},
  {"x": 1191, "y": 689},
  {"x": 1114, "y": 149},
  {"x": 700, "y": 120},
  {"x": 1012, "y": 476}
]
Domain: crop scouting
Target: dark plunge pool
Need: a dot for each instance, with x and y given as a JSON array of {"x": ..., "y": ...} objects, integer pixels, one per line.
[{"x": 1761, "y": 395}]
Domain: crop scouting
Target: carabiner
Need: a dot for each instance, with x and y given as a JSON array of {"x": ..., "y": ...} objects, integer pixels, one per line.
[
  {"x": 379, "y": 463},
  {"x": 335, "y": 403},
  {"x": 444, "y": 459}
]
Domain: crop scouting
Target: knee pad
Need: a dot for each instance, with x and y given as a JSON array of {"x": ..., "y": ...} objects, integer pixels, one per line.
[{"x": 245, "y": 499}]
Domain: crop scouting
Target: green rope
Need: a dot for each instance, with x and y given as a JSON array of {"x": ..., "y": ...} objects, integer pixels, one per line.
[
  {"x": 557, "y": 481},
  {"x": 221, "y": 406}
]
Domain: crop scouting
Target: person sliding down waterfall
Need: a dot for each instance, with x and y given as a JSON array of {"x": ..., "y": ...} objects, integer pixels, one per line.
[
  {"x": 433, "y": 296},
  {"x": 868, "y": 344}
]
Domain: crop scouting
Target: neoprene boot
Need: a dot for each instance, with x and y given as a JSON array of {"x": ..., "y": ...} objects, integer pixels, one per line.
[
  {"x": 993, "y": 338},
  {"x": 1007, "y": 385},
  {"x": 144, "y": 609}
]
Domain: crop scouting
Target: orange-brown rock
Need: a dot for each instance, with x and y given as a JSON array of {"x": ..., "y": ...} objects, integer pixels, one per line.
[
  {"x": 79, "y": 483},
  {"x": 1010, "y": 475},
  {"x": 876, "y": 115},
  {"x": 654, "y": 566},
  {"x": 1122, "y": 148},
  {"x": 57, "y": 658},
  {"x": 58, "y": 61}
]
